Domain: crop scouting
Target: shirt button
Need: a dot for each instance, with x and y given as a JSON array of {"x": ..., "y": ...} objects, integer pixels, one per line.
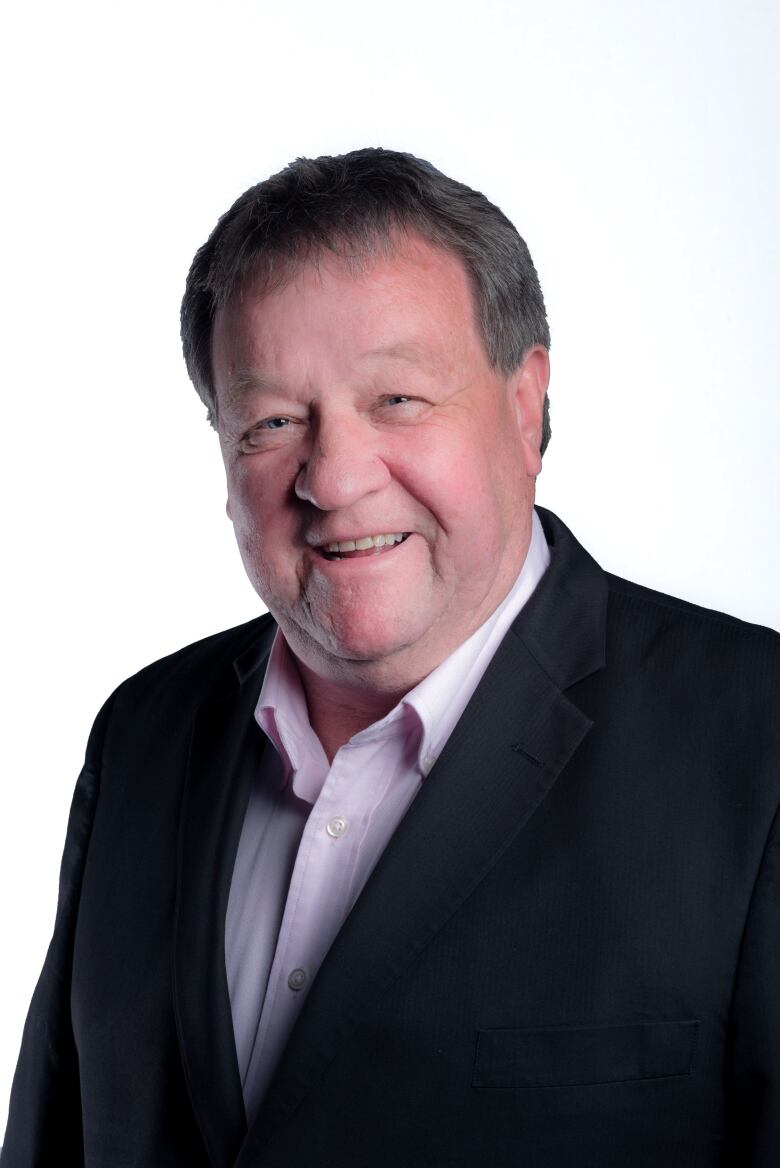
[
  {"x": 337, "y": 826},
  {"x": 297, "y": 979}
]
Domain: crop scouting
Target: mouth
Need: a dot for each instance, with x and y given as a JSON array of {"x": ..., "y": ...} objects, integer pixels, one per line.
[{"x": 365, "y": 545}]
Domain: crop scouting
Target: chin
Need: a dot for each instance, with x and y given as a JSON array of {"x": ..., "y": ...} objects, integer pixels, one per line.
[
  {"x": 376, "y": 643},
  {"x": 363, "y": 646}
]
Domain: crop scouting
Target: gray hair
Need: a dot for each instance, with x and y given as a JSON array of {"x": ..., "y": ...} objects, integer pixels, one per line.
[{"x": 352, "y": 205}]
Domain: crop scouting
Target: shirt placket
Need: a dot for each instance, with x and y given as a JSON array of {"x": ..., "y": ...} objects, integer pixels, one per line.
[{"x": 316, "y": 906}]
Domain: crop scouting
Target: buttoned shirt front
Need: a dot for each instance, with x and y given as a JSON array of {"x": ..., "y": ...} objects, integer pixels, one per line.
[{"x": 313, "y": 833}]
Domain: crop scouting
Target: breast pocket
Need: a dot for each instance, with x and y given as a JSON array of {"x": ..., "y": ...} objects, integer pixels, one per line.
[{"x": 572, "y": 1056}]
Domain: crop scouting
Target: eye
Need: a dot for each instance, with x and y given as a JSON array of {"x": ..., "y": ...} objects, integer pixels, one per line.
[
  {"x": 266, "y": 434},
  {"x": 398, "y": 401},
  {"x": 401, "y": 408}
]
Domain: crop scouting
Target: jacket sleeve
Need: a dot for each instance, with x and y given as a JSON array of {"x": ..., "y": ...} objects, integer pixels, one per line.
[
  {"x": 754, "y": 1071},
  {"x": 44, "y": 1120}
]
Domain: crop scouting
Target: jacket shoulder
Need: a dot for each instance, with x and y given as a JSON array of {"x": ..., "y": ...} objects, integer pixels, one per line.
[
  {"x": 189, "y": 674},
  {"x": 664, "y": 607},
  {"x": 690, "y": 636}
]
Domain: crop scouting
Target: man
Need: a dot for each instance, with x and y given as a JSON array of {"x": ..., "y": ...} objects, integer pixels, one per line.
[{"x": 468, "y": 852}]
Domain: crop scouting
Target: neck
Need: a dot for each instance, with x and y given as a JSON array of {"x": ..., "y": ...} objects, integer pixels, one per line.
[{"x": 338, "y": 710}]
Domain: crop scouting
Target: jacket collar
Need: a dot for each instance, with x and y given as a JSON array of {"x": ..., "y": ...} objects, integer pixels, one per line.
[{"x": 565, "y": 621}]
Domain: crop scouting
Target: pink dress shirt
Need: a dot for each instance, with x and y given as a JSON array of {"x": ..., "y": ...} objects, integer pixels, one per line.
[{"x": 312, "y": 833}]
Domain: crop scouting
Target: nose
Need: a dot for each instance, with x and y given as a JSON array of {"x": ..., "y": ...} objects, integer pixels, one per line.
[{"x": 343, "y": 464}]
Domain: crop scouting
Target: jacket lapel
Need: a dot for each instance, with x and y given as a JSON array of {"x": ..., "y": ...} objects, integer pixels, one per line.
[
  {"x": 225, "y": 751},
  {"x": 516, "y": 735}
]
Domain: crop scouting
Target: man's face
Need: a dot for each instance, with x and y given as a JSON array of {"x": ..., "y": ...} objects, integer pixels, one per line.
[{"x": 361, "y": 405}]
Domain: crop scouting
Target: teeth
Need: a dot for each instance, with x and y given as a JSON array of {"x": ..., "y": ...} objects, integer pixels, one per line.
[{"x": 364, "y": 543}]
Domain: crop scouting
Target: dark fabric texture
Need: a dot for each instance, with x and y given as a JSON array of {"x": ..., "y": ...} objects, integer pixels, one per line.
[{"x": 568, "y": 955}]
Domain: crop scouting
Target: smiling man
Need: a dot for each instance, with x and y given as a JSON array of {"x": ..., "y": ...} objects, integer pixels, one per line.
[{"x": 467, "y": 852}]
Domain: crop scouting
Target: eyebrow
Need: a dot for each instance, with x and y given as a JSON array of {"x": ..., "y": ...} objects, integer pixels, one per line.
[
  {"x": 402, "y": 351},
  {"x": 249, "y": 381}
]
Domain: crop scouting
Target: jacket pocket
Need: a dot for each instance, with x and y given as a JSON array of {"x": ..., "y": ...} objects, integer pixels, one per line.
[{"x": 573, "y": 1056}]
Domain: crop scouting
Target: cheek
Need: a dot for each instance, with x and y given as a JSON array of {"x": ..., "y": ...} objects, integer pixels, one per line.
[
  {"x": 262, "y": 528},
  {"x": 458, "y": 484},
  {"x": 473, "y": 495},
  {"x": 257, "y": 500}
]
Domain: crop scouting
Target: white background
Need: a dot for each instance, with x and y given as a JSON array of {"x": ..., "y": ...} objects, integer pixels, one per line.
[{"x": 633, "y": 144}]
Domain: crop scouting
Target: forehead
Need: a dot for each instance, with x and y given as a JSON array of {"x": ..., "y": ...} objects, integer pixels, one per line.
[{"x": 413, "y": 302}]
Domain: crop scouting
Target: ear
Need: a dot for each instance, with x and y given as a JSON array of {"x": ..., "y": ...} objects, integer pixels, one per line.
[
  {"x": 227, "y": 508},
  {"x": 528, "y": 386}
]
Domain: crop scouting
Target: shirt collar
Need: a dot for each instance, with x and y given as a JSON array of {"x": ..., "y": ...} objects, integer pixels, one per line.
[{"x": 282, "y": 713}]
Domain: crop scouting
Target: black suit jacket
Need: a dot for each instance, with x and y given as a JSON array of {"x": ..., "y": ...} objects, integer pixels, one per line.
[{"x": 569, "y": 953}]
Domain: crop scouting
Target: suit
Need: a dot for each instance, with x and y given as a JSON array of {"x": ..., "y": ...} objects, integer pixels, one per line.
[{"x": 569, "y": 953}]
